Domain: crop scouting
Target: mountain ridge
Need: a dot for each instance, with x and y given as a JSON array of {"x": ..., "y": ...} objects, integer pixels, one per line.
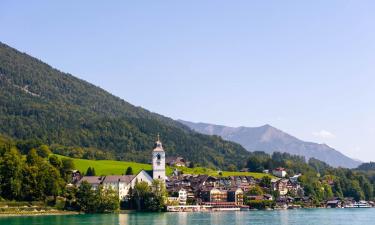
[
  {"x": 270, "y": 139},
  {"x": 40, "y": 102}
]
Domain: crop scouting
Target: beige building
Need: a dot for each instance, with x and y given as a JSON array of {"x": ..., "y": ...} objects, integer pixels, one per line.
[
  {"x": 182, "y": 196},
  {"x": 236, "y": 195},
  {"x": 280, "y": 185}
]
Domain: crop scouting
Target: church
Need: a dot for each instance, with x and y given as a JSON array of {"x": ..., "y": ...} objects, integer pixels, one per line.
[{"x": 122, "y": 183}]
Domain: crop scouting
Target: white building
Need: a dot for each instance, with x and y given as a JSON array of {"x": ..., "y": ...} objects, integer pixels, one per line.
[
  {"x": 279, "y": 172},
  {"x": 118, "y": 183},
  {"x": 182, "y": 196},
  {"x": 122, "y": 183},
  {"x": 158, "y": 161}
]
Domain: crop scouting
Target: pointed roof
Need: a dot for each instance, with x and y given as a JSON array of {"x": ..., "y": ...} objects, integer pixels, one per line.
[{"x": 158, "y": 145}]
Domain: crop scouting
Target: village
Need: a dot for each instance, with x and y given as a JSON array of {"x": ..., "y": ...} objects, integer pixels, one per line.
[{"x": 188, "y": 192}]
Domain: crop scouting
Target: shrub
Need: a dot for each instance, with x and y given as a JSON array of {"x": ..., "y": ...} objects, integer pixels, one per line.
[{"x": 261, "y": 204}]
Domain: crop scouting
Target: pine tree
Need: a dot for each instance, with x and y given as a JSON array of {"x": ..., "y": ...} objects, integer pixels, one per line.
[
  {"x": 89, "y": 172},
  {"x": 129, "y": 171}
]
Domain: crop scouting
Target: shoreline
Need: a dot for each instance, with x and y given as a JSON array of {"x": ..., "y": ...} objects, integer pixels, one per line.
[
  {"x": 65, "y": 213},
  {"x": 39, "y": 213}
]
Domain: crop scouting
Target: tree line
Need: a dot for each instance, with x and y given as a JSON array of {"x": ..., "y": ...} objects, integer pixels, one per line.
[
  {"x": 320, "y": 181},
  {"x": 29, "y": 172},
  {"x": 32, "y": 176}
]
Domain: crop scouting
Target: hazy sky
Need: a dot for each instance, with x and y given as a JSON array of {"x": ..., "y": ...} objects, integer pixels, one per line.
[{"x": 306, "y": 67}]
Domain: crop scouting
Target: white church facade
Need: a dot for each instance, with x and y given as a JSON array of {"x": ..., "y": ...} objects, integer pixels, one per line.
[{"x": 122, "y": 183}]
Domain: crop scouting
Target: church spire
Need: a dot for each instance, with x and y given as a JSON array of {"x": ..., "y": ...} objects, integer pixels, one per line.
[{"x": 158, "y": 144}]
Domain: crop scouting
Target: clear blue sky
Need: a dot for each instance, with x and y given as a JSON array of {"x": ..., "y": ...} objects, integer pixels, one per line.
[{"x": 306, "y": 67}]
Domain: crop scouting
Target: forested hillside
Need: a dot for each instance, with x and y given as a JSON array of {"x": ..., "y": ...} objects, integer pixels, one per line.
[
  {"x": 320, "y": 181},
  {"x": 42, "y": 103},
  {"x": 29, "y": 172}
]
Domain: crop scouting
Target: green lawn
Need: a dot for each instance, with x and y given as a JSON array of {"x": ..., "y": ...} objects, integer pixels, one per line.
[
  {"x": 112, "y": 167},
  {"x": 202, "y": 170},
  {"x": 107, "y": 167}
]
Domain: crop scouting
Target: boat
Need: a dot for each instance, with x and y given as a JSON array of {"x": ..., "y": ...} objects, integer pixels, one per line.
[{"x": 360, "y": 204}]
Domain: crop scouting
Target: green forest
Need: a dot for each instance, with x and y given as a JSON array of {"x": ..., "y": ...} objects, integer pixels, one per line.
[
  {"x": 44, "y": 104},
  {"x": 32, "y": 176},
  {"x": 319, "y": 180},
  {"x": 36, "y": 175},
  {"x": 29, "y": 172}
]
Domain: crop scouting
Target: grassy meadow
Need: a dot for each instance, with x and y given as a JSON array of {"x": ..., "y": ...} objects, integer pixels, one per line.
[{"x": 112, "y": 167}]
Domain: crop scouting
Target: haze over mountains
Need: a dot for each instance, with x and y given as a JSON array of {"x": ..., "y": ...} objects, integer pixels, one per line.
[{"x": 269, "y": 139}]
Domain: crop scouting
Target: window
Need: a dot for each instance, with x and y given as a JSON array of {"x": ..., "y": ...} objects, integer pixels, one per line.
[{"x": 158, "y": 157}]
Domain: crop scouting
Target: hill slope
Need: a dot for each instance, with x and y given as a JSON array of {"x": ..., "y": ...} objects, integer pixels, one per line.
[
  {"x": 40, "y": 102},
  {"x": 269, "y": 139},
  {"x": 112, "y": 167}
]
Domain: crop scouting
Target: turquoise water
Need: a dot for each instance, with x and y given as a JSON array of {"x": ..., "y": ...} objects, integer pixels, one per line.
[{"x": 302, "y": 216}]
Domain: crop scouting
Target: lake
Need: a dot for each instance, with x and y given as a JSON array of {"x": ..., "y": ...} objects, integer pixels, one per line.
[{"x": 300, "y": 216}]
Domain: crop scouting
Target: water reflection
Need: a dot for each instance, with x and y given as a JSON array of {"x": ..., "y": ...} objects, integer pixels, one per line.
[
  {"x": 143, "y": 218},
  {"x": 186, "y": 218},
  {"x": 182, "y": 218},
  {"x": 284, "y": 217},
  {"x": 122, "y": 218}
]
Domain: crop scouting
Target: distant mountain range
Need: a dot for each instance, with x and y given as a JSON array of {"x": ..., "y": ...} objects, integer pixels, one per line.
[{"x": 269, "y": 139}]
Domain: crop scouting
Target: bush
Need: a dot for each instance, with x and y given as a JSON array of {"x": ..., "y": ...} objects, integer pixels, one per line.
[
  {"x": 60, "y": 203},
  {"x": 261, "y": 204},
  {"x": 96, "y": 201}
]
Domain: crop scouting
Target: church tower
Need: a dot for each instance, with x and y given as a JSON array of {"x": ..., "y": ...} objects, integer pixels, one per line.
[{"x": 158, "y": 161}]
